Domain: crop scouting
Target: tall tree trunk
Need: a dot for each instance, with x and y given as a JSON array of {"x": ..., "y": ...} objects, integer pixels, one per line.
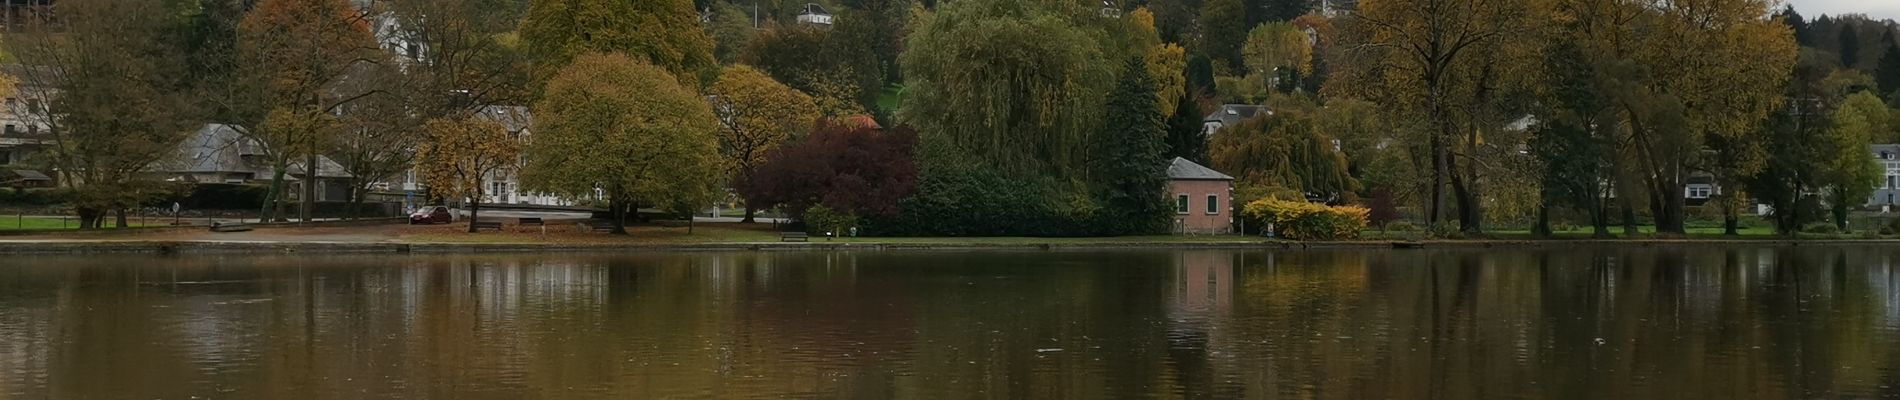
[
  {"x": 1470, "y": 211},
  {"x": 279, "y": 191},
  {"x": 1629, "y": 217},
  {"x": 1441, "y": 154},
  {"x": 1672, "y": 219},
  {"x": 474, "y": 208},
  {"x": 1438, "y": 184},
  {"x": 309, "y": 200},
  {"x": 1599, "y": 218},
  {"x": 1731, "y": 225},
  {"x": 352, "y": 198},
  {"x": 88, "y": 218},
  {"x": 1542, "y": 229},
  {"x": 120, "y": 213},
  {"x": 749, "y": 212},
  {"x": 619, "y": 210},
  {"x": 1840, "y": 209}
]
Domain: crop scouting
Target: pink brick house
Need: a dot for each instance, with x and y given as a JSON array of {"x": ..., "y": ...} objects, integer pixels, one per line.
[{"x": 1203, "y": 198}]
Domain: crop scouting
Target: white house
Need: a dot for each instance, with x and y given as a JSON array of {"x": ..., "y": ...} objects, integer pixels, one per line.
[{"x": 814, "y": 15}]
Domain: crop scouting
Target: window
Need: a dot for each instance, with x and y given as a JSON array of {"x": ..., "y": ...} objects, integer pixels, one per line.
[
  {"x": 1891, "y": 181},
  {"x": 1699, "y": 192},
  {"x": 1213, "y": 205},
  {"x": 33, "y": 106},
  {"x": 11, "y": 128},
  {"x": 5, "y": 158},
  {"x": 1181, "y": 204}
]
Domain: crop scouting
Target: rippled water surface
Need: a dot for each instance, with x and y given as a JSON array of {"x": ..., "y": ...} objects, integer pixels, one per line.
[{"x": 1672, "y": 323}]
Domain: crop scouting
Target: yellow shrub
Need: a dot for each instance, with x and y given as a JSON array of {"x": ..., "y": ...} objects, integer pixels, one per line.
[{"x": 1301, "y": 220}]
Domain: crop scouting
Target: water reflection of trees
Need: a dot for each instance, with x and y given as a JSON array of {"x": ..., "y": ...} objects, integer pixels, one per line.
[
  {"x": 1601, "y": 323},
  {"x": 1571, "y": 323}
]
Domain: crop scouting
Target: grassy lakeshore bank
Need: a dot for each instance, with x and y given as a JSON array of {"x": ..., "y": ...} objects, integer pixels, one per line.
[{"x": 762, "y": 237}]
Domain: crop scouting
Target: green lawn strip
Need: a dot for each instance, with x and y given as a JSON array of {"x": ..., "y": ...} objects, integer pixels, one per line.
[{"x": 44, "y": 223}]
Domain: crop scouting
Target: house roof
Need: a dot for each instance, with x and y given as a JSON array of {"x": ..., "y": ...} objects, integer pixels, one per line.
[
  {"x": 1893, "y": 149},
  {"x": 1230, "y": 114},
  {"x": 861, "y": 121},
  {"x": 515, "y": 118},
  {"x": 219, "y": 148},
  {"x": 25, "y": 175},
  {"x": 814, "y": 9},
  {"x": 1182, "y": 169}
]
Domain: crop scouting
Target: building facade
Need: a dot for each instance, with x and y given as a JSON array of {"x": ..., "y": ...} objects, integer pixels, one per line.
[
  {"x": 1203, "y": 198},
  {"x": 1887, "y": 191}
]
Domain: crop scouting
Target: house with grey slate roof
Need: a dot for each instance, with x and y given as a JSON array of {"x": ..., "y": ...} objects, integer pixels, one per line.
[
  {"x": 1230, "y": 114},
  {"x": 1203, "y": 198},
  {"x": 218, "y": 153}
]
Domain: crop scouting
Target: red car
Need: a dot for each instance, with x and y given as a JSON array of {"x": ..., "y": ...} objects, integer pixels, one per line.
[{"x": 431, "y": 215}]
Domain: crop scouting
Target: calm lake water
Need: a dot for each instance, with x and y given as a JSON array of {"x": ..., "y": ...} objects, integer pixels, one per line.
[{"x": 1670, "y": 323}]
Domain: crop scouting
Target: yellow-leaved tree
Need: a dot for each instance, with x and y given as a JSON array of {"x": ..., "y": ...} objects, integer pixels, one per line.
[
  {"x": 755, "y": 115},
  {"x": 612, "y": 123},
  {"x": 460, "y": 154}
]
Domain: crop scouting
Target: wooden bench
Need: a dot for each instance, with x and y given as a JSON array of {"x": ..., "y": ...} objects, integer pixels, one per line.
[
  {"x": 480, "y": 225},
  {"x": 230, "y": 227},
  {"x": 531, "y": 222},
  {"x": 793, "y": 237}
]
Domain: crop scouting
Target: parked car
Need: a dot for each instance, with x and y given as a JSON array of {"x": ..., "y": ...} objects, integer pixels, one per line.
[{"x": 431, "y": 215}]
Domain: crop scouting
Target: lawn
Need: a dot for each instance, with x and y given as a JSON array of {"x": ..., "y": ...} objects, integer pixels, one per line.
[
  {"x": 890, "y": 99},
  {"x": 51, "y": 223}
]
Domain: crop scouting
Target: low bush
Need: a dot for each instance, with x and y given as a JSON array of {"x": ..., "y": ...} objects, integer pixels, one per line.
[
  {"x": 1825, "y": 228},
  {"x": 1301, "y": 220},
  {"x": 31, "y": 197},
  {"x": 1400, "y": 226},
  {"x": 820, "y": 220}
]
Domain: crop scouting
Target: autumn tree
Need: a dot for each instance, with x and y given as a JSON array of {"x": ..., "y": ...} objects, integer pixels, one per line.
[
  {"x": 665, "y": 33},
  {"x": 755, "y": 115},
  {"x": 842, "y": 80},
  {"x": 293, "y": 57},
  {"x": 105, "y": 80},
  {"x": 731, "y": 30},
  {"x": 461, "y": 155},
  {"x": 1852, "y": 171},
  {"x": 628, "y": 128},
  {"x": 1438, "y": 60},
  {"x": 1719, "y": 94},
  {"x": 1797, "y": 136},
  {"x": 1277, "y": 50},
  {"x": 454, "y": 57}
]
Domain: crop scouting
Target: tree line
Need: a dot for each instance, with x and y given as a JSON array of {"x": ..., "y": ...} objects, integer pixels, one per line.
[{"x": 987, "y": 117}]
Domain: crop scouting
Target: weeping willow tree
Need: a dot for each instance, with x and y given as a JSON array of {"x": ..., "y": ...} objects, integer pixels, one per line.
[
  {"x": 1283, "y": 153},
  {"x": 1013, "y": 84}
]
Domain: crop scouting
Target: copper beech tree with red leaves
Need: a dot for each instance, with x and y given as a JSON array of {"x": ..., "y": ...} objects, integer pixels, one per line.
[{"x": 853, "y": 168}]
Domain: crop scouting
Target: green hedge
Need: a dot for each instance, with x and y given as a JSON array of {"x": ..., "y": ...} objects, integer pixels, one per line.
[{"x": 967, "y": 200}]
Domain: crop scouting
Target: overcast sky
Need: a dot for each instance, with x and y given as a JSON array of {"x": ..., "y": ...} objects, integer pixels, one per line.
[{"x": 1878, "y": 9}]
